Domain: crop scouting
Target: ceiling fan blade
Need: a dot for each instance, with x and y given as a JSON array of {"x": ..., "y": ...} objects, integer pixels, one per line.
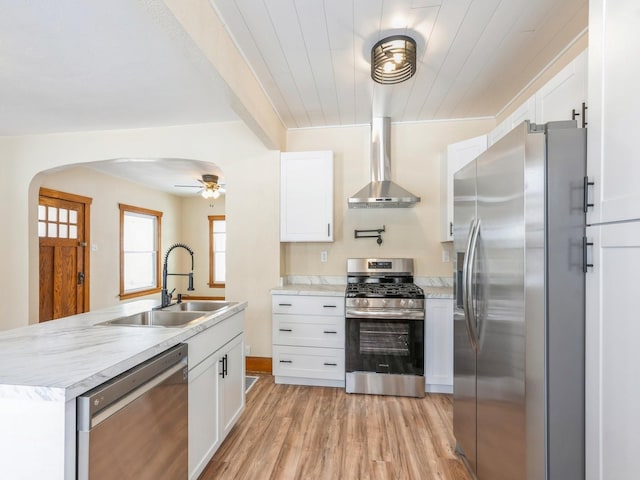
[{"x": 188, "y": 186}]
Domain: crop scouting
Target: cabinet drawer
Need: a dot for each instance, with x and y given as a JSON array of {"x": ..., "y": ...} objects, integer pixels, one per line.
[
  {"x": 308, "y": 305},
  {"x": 308, "y": 362},
  {"x": 208, "y": 341},
  {"x": 313, "y": 331}
]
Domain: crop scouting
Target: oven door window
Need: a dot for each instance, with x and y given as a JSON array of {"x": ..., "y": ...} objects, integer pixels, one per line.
[
  {"x": 385, "y": 346},
  {"x": 384, "y": 338}
]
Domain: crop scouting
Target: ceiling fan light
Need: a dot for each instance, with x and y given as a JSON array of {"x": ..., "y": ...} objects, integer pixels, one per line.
[
  {"x": 209, "y": 193},
  {"x": 393, "y": 60}
]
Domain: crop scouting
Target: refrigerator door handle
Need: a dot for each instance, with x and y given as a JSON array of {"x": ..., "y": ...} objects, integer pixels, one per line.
[{"x": 467, "y": 282}]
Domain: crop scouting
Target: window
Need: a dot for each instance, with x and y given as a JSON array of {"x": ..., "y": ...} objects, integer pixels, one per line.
[
  {"x": 139, "y": 251},
  {"x": 217, "y": 249}
]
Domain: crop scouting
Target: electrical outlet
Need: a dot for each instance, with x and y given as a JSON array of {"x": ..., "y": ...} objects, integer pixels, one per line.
[
  {"x": 247, "y": 350},
  {"x": 324, "y": 256},
  {"x": 445, "y": 256}
]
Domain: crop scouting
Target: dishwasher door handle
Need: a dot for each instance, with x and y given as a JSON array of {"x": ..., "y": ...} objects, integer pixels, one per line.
[{"x": 134, "y": 395}]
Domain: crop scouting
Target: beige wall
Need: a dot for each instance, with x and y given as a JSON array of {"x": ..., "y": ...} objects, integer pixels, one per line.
[
  {"x": 412, "y": 232},
  {"x": 251, "y": 172}
]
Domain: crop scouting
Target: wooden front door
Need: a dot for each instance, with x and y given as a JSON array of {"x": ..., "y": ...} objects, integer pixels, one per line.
[{"x": 63, "y": 231}]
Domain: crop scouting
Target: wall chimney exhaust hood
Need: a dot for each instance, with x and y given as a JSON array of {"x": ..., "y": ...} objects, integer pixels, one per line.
[{"x": 381, "y": 192}]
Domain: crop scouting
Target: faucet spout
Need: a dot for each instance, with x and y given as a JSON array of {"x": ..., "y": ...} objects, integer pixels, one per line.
[{"x": 166, "y": 296}]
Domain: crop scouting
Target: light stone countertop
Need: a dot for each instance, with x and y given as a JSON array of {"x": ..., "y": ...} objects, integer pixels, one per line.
[{"x": 66, "y": 357}]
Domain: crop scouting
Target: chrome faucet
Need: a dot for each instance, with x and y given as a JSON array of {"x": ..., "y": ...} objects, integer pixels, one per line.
[{"x": 167, "y": 296}]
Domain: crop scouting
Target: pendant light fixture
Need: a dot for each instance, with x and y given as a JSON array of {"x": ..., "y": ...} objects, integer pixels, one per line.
[{"x": 393, "y": 59}]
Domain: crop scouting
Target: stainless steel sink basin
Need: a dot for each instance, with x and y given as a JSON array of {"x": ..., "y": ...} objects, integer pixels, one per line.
[
  {"x": 157, "y": 318},
  {"x": 198, "y": 306}
]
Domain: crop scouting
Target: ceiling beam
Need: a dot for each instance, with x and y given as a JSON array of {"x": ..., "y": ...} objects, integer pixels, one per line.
[{"x": 247, "y": 98}]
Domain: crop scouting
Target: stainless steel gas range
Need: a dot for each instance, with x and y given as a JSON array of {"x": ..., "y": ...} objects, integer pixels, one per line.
[{"x": 384, "y": 310}]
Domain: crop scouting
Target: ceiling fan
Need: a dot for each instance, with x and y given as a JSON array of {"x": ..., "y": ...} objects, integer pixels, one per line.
[{"x": 210, "y": 187}]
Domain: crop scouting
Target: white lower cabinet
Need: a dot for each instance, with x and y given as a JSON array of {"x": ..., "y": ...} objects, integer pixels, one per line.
[
  {"x": 438, "y": 345},
  {"x": 231, "y": 386},
  {"x": 612, "y": 330},
  {"x": 204, "y": 434},
  {"x": 308, "y": 339},
  {"x": 216, "y": 388}
]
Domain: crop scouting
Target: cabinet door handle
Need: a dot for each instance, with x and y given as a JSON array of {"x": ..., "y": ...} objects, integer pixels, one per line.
[
  {"x": 586, "y": 185},
  {"x": 286, "y": 361},
  {"x": 330, "y": 331},
  {"x": 451, "y": 229},
  {"x": 328, "y": 229},
  {"x": 226, "y": 365},
  {"x": 286, "y": 330},
  {"x": 221, "y": 367},
  {"x": 284, "y": 304},
  {"x": 330, "y": 364},
  {"x": 329, "y": 306},
  {"x": 585, "y": 262}
]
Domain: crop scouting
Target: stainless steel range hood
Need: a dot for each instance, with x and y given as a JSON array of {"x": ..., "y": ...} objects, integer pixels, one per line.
[{"x": 381, "y": 192}]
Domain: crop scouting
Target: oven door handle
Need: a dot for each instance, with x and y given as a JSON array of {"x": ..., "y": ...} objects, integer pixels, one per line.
[{"x": 386, "y": 314}]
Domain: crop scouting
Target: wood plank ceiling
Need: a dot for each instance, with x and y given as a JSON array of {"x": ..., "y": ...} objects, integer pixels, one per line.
[{"x": 474, "y": 56}]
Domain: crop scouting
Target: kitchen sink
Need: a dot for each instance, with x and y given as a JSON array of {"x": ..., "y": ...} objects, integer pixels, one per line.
[
  {"x": 157, "y": 318},
  {"x": 198, "y": 306}
]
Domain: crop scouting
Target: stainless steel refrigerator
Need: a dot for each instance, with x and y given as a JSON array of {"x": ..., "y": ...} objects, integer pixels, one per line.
[{"x": 519, "y": 306}]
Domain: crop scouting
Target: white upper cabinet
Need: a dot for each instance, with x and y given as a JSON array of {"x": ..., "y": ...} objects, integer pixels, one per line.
[
  {"x": 457, "y": 156},
  {"x": 557, "y": 100},
  {"x": 526, "y": 111},
  {"x": 306, "y": 196},
  {"x": 614, "y": 76},
  {"x": 563, "y": 96}
]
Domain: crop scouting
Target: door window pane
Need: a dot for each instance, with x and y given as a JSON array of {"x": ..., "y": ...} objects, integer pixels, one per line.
[{"x": 52, "y": 214}]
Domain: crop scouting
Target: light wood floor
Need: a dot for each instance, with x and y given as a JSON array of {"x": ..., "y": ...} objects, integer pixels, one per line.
[{"x": 296, "y": 432}]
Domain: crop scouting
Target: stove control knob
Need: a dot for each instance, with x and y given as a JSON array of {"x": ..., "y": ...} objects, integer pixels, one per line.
[
  {"x": 384, "y": 302},
  {"x": 365, "y": 302},
  {"x": 412, "y": 303},
  {"x": 403, "y": 303}
]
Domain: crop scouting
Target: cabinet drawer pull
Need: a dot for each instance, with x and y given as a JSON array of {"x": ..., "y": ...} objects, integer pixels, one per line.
[
  {"x": 330, "y": 364},
  {"x": 286, "y": 330},
  {"x": 286, "y": 361},
  {"x": 329, "y": 306},
  {"x": 284, "y": 304},
  {"x": 330, "y": 331}
]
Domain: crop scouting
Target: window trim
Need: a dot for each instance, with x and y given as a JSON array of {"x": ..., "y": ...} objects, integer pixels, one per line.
[
  {"x": 124, "y": 208},
  {"x": 211, "y": 282}
]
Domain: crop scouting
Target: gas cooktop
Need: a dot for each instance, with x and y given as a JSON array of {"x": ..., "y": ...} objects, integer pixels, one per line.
[{"x": 384, "y": 290}]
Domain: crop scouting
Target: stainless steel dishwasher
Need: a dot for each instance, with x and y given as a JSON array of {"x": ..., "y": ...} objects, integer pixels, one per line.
[{"x": 135, "y": 426}]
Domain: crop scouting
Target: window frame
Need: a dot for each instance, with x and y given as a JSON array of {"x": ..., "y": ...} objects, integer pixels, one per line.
[
  {"x": 212, "y": 283},
  {"x": 124, "y": 209}
]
